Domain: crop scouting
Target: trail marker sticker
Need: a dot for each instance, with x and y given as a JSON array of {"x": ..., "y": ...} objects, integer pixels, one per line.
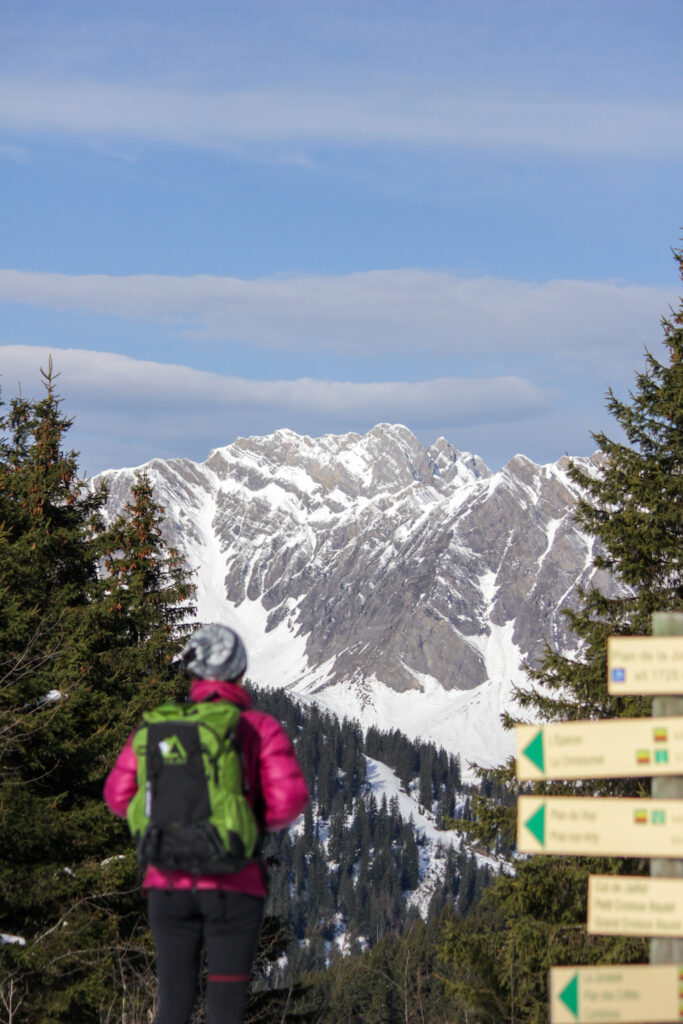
[
  {"x": 536, "y": 824},
  {"x": 635, "y": 905},
  {"x": 645, "y": 664},
  {"x": 570, "y": 995},
  {"x": 613, "y": 748},
  {"x": 607, "y": 826},
  {"x": 533, "y": 751},
  {"x": 638, "y": 994}
]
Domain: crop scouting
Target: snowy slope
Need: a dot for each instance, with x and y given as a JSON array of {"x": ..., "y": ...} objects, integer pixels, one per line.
[{"x": 384, "y": 782}]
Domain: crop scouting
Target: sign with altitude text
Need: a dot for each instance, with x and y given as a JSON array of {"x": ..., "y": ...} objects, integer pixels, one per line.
[
  {"x": 635, "y": 905},
  {"x": 606, "y": 826},
  {"x": 612, "y": 748},
  {"x": 638, "y": 994},
  {"x": 645, "y": 664}
]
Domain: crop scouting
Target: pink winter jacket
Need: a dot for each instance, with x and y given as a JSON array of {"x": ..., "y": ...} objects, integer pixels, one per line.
[{"x": 277, "y": 790}]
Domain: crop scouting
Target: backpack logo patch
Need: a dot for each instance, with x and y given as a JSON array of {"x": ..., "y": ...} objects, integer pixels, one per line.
[{"x": 172, "y": 751}]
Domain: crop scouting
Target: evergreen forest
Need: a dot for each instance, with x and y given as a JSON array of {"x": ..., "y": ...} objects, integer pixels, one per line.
[
  {"x": 350, "y": 873},
  {"x": 92, "y": 615}
]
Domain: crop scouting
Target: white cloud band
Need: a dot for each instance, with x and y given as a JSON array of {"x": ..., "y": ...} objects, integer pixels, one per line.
[
  {"x": 162, "y": 409},
  {"x": 373, "y": 313}
]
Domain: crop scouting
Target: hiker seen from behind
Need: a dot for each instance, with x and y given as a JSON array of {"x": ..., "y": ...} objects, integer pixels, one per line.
[{"x": 200, "y": 783}]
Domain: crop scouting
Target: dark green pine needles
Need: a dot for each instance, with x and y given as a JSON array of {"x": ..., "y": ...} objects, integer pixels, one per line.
[{"x": 90, "y": 619}]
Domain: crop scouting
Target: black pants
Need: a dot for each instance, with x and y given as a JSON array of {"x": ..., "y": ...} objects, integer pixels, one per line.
[{"x": 228, "y": 925}]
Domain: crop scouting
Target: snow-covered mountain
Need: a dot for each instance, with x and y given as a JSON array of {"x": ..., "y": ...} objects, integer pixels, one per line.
[{"x": 389, "y": 582}]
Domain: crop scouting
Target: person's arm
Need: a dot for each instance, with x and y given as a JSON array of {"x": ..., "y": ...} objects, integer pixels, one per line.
[
  {"x": 283, "y": 787},
  {"x": 122, "y": 782}
]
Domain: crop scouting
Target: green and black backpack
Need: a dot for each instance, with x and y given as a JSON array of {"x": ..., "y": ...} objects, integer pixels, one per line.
[{"x": 190, "y": 811}]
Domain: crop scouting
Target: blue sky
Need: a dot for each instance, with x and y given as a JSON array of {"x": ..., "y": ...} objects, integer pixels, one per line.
[{"x": 222, "y": 218}]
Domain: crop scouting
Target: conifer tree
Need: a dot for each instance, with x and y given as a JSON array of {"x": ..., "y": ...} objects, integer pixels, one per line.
[
  {"x": 48, "y": 573},
  {"x": 148, "y": 584},
  {"x": 67, "y": 667},
  {"x": 426, "y": 765},
  {"x": 634, "y": 506}
]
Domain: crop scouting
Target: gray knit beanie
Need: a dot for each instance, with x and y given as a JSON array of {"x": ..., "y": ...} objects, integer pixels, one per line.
[{"x": 215, "y": 652}]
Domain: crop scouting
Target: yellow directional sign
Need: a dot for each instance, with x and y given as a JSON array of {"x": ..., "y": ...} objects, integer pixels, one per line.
[
  {"x": 612, "y": 748},
  {"x": 645, "y": 664},
  {"x": 609, "y": 826},
  {"x": 638, "y": 994},
  {"x": 635, "y": 905}
]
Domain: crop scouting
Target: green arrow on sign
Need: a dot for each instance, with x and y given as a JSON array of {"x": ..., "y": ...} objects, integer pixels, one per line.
[
  {"x": 536, "y": 824},
  {"x": 570, "y": 995},
  {"x": 534, "y": 751}
]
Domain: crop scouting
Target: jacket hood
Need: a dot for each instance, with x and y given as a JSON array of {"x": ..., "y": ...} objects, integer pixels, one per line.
[{"x": 206, "y": 689}]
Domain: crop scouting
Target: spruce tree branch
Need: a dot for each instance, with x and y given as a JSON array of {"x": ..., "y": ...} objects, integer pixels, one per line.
[{"x": 83, "y": 901}]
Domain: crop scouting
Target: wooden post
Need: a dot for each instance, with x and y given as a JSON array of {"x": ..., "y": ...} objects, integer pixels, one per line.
[{"x": 667, "y": 951}]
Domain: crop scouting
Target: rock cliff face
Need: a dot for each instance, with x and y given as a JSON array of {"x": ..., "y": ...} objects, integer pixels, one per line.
[{"x": 395, "y": 583}]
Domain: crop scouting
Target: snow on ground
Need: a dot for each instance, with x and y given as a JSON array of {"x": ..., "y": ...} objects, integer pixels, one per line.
[
  {"x": 464, "y": 722},
  {"x": 384, "y": 782},
  {"x": 51, "y": 696}
]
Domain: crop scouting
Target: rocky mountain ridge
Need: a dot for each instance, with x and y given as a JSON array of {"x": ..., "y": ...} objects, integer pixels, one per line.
[{"x": 394, "y": 583}]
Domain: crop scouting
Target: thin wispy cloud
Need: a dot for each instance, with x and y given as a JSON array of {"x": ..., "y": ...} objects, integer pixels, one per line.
[
  {"x": 94, "y": 379},
  {"x": 17, "y": 154},
  {"x": 168, "y": 409},
  {"x": 370, "y": 314},
  {"x": 397, "y": 117}
]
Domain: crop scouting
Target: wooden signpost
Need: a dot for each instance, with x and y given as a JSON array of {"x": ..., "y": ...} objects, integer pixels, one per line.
[
  {"x": 635, "y": 905},
  {"x": 606, "y": 826},
  {"x": 604, "y": 749},
  {"x": 617, "y": 826},
  {"x": 637, "y": 994},
  {"x": 645, "y": 664}
]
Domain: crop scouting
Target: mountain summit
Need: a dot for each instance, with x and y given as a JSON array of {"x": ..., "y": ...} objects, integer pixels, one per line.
[{"x": 390, "y": 582}]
